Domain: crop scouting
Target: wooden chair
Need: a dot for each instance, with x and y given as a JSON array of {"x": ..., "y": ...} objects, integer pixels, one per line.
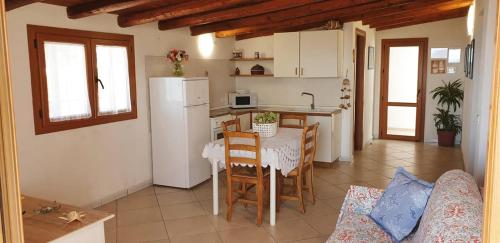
[
  {"x": 303, "y": 174},
  {"x": 256, "y": 176},
  {"x": 301, "y": 120},
  {"x": 236, "y": 123}
]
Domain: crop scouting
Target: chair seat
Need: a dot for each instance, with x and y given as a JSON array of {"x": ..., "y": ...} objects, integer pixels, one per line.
[
  {"x": 295, "y": 172},
  {"x": 249, "y": 172}
]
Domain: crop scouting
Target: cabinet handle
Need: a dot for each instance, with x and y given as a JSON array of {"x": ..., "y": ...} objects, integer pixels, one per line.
[
  {"x": 301, "y": 71},
  {"x": 296, "y": 71}
]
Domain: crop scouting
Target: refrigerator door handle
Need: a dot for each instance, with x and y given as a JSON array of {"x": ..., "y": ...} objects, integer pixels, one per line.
[{"x": 197, "y": 105}]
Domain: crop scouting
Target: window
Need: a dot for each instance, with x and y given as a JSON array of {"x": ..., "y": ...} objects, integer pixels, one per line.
[{"x": 80, "y": 78}]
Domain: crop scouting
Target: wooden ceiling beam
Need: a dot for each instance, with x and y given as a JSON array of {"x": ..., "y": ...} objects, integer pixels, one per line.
[
  {"x": 101, "y": 6},
  {"x": 303, "y": 21},
  {"x": 321, "y": 17},
  {"x": 457, "y": 13},
  {"x": 310, "y": 9},
  {"x": 267, "y": 32},
  {"x": 178, "y": 10},
  {"x": 419, "y": 11},
  {"x": 233, "y": 13},
  {"x": 384, "y": 11},
  {"x": 13, "y": 4}
]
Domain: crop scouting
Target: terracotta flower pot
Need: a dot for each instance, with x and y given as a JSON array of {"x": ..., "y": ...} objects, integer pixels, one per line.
[{"x": 446, "y": 138}]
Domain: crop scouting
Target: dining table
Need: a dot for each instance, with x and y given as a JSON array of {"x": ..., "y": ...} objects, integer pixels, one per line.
[{"x": 280, "y": 153}]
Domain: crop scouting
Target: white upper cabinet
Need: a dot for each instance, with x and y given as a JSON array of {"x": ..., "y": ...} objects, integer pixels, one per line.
[
  {"x": 317, "y": 54},
  {"x": 286, "y": 50}
]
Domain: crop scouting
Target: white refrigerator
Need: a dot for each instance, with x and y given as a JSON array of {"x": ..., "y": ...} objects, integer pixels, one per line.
[{"x": 180, "y": 128}]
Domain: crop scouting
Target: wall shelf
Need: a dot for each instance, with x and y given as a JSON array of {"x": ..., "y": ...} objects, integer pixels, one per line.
[
  {"x": 252, "y": 76},
  {"x": 251, "y": 59}
]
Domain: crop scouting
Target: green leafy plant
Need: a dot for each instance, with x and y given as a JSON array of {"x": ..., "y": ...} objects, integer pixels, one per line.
[
  {"x": 267, "y": 117},
  {"x": 449, "y": 96}
]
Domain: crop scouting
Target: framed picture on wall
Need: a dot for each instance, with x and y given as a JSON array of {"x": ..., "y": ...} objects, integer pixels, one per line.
[{"x": 371, "y": 57}]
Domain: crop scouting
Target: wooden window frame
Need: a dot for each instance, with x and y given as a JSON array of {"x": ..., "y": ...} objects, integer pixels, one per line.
[{"x": 36, "y": 34}]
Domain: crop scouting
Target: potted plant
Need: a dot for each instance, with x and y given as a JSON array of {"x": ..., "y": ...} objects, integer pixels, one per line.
[
  {"x": 266, "y": 124},
  {"x": 177, "y": 57},
  {"x": 449, "y": 97}
]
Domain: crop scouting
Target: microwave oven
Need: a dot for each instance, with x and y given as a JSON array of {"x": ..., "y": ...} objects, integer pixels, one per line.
[{"x": 240, "y": 100}]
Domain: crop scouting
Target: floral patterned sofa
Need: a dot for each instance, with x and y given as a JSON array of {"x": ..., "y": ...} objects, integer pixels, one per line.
[{"x": 453, "y": 213}]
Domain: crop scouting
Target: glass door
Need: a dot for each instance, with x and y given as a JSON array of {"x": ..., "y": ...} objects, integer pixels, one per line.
[{"x": 403, "y": 79}]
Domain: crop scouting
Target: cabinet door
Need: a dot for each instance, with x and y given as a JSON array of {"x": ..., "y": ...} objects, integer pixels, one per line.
[
  {"x": 286, "y": 54},
  {"x": 319, "y": 53},
  {"x": 245, "y": 122},
  {"x": 324, "y": 139}
]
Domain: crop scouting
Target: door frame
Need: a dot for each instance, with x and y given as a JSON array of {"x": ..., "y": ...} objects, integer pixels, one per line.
[
  {"x": 491, "y": 209},
  {"x": 11, "y": 211},
  {"x": 421, "y": 93},
  {"x": 359, "y": 91}
]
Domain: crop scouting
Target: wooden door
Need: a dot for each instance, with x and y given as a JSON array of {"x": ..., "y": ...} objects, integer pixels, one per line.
[
  {"x": 286, "y": 54},
  {"x": 360, "y": 89},
  {"x": 402, "y": 100},
  {"x": 319, "y": 54}
]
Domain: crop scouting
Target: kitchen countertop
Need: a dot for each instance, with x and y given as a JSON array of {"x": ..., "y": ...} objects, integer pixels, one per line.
[{"x": 301, "y": 110}]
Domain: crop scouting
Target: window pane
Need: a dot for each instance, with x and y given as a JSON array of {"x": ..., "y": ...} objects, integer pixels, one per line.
[
  {"x": 401, "y": 120},
  {"x": 112, "y": 70},
  {"x": 66, "y": 70},
  {"x": 403, "y": 74}
]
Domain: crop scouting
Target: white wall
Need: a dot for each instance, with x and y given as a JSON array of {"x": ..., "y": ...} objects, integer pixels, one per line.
[
  {"x": 477, "y": 91},
  {"x": 88, "y": 166},
  {"x": 286, "y": 91},
  {"x": 449, "y": 34}
]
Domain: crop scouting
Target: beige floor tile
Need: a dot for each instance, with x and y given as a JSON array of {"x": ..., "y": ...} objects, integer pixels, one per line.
[
  {"x": 142, "y": 232},
  {"x": 205, "y": 238},
  {"x": 329, "y": 192},
  {"x": 185, "y": 210},
  {"x": 166, "y": 189},
  {"x": 335, "y": 203},
  {"x": 246, "y": 235},
  {"x": 176, "y": 198},
  {"x": 319, "y": 208},
  {"x": 137, "y": 202},
  {"x": 189, "y": 226},
  {"x": 139, "y": 216},
  {"x": 292, "y": 230},
  {"x": 148, "y": 191},
  {"x": 324, "y": 224}
]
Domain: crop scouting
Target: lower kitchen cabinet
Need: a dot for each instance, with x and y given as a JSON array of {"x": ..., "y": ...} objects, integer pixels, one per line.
[
  {"x": 328, "y": 137},
  {"x": 245, "y": 121}
]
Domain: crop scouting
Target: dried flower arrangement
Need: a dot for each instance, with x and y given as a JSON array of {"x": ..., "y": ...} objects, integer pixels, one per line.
[{"x": 177, "y": 57}]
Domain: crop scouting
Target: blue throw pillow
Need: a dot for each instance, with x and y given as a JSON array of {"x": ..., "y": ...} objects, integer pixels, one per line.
[{"x": 402, "y": 204}]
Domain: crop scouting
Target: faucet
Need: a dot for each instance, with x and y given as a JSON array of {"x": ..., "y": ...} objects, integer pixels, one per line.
[{"x": 306, "y": 93}]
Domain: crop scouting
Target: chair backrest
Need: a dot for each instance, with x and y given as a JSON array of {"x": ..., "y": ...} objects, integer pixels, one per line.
[
  {"x": 243, "y": 142},
  {"x": 299, "y": 121},
  {"x": 227, "y": 125},
  {"x": 309, "y": 145}
]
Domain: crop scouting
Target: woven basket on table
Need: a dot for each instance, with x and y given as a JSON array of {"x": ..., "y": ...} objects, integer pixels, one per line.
[{"x": 265, "y": 130}]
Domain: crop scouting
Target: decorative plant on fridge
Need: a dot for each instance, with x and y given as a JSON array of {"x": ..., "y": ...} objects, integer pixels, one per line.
[
  {"x": 177, "y": 57},
  {"x": 449, "y": 98}
]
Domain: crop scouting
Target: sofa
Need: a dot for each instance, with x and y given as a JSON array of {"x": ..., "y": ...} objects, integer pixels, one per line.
[{"x": 453, "y": 213}]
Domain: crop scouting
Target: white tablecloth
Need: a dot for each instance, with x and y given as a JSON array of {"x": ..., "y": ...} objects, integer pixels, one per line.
[{"x": 283, "y": 150}]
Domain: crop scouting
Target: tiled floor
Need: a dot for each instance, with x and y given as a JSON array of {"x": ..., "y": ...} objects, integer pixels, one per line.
[{"x": 162, "y": 214}]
